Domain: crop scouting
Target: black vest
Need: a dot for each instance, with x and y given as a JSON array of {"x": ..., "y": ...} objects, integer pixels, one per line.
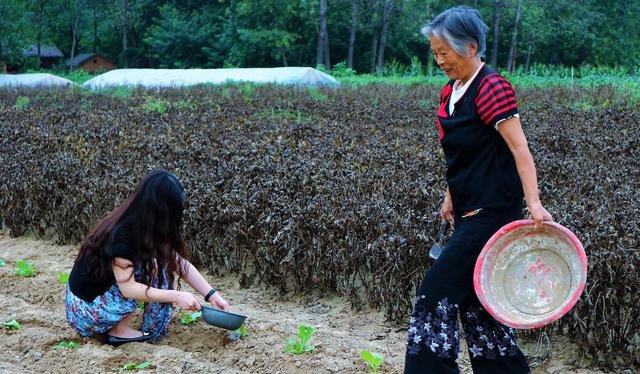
[{"x": 481, "y": 170}]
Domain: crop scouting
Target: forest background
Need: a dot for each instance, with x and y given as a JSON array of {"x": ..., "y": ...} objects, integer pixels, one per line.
[{"x": 368, "y": 36}]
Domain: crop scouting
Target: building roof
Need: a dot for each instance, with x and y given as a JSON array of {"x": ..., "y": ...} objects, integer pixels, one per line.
[
  {"x": 45, "y": 51},
  {"x": 81, "y": 59}
]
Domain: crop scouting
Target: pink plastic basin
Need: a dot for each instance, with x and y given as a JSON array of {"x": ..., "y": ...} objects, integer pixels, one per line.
[{"x": 528, "y": 278}]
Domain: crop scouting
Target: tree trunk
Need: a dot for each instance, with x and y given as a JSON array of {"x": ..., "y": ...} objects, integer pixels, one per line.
[
  {"x": 511, "y": 60},
  {"x": 74, "y": 33},
  {"x": 496, "y": 29},
  {"x": 386, "y": 15},
  {"x": 40, "y": 26},
  {"x": 125, "y": 27},
  {"x": 322, "y": 35},
  {"x": 374, "y": 52},
  {"x": 327, "y": 56},
  {"x": 95, "y": 29},
  {"x": 352, "y": 32},
  {"x": 526, "y": 64},
  {"x": 284, "y": 56}
]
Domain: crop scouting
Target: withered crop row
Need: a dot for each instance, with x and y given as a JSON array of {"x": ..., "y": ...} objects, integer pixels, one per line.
[{"x": 333, "y": 192}]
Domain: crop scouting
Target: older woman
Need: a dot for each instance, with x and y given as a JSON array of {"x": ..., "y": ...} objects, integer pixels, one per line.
[{"x": 489, "y": 171}]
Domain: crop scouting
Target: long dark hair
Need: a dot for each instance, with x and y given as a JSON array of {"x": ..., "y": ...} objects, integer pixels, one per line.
[{"x": 152, "y": 215}]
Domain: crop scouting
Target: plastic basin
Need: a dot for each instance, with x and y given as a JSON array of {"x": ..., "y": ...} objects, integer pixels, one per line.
[{"x": 528, "y": 278}]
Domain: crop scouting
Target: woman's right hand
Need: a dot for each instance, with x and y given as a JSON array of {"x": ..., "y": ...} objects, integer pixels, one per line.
[
  {"x": 446, "y": 211},
  {"x": 186, "y": 301}
]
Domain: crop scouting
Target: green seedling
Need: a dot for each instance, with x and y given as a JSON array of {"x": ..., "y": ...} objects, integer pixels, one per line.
[
  {"x": 64, "y": 344},
  {"x": 242, "y": 331},
  {"x": 190, "y": 318},
  {"x": 373, "y": 359},
  {"x": 63, "y": 277},
  {"x": 2, "y": 263},
  {"x": 134, "y": 366},
  {"x": 25, "y": 268},
  {"x": 301, "y": 343},
  {"x": 13, "y": 325},
  {"x": 140, "y": 304},
  {"x": 239, "y": 333}
]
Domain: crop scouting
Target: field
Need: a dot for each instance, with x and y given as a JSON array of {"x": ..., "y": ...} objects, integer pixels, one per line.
[
  {"x": 340, "y": 332},
  {"x": 299, "y": 192}
]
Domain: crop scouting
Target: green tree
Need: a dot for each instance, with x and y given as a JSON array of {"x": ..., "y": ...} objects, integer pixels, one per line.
[
  {"x": 178, "y": 39},
  {"x": 15, "y": 32}
]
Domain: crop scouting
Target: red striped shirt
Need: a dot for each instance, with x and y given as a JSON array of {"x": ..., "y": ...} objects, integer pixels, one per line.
[{"x": 496, "y": 99}]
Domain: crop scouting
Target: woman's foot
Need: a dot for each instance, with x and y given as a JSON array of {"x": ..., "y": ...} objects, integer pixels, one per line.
[
  {"x": 116, "y": 340},
  {"x": 123, "y": 333}
]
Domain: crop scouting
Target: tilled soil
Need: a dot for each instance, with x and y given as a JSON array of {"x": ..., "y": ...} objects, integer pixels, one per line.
[{"x": 37, "y": 304}]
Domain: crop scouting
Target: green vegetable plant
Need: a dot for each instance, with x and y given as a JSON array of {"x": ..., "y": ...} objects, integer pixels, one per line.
[
  {"x": 63, "y": 277},
  {"x": 134, "y": 366},
  {"x": 242, "y": 331},
  {"x": 373, "y": 359},
  {"x": 239, "y": 333},
  {"x": 301, "y": 343},
  {"x": 189, "y": 318},
  {"x": 64, "y": 344},
  {"x": 13, "y": 325},
  {"x": 25, "y": 268}
]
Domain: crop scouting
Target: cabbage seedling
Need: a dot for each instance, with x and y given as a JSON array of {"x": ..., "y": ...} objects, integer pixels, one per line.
[
  {"x": 134, "y": 366},
  {"x": 63, "y": 277},
  {"x": 239, "y": 333},
  {"x": 13, "y": 325},
  {"x": 373, "y": 359},
  {"x": 64, "y": 344},
  {"x": 25, "y": 268},
  {"x": 189, "y": 318},
  {"x": 301, "y": 343}
]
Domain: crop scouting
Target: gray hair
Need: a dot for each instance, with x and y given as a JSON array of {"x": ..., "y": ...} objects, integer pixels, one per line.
[{"x": 459, "y": 27}]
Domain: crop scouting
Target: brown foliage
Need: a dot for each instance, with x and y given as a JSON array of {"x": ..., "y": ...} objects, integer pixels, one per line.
[{"x": 336, "y": 192}]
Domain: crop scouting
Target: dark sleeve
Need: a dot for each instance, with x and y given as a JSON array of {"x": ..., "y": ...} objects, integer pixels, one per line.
[
  {"x": 496, "y": 100},
  {"x": 121, "y": 245},
  {"x": 122, "y": 249}
]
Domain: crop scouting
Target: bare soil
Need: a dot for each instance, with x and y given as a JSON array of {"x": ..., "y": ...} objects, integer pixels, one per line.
[{"x": 37, "y": 303}]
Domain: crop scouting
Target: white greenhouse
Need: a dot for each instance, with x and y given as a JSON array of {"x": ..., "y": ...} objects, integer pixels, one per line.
[
  {"x": 33, "y": 80},
  {"x": 161, "y": 78}
]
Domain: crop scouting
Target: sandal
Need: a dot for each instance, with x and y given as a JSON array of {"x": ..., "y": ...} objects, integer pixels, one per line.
[{"x": 116, "y": 341}]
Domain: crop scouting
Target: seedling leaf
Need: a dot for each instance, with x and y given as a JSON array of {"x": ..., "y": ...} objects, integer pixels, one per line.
[
  {"x": 64, "y": 344},
  {"x": 63, "y": 277},
  {"x": 25, "y": 268},
  {"x": 189, "y": 318},
  {"x": 134, "y": 366},
  {"x": 301, "y": 343},
  {"x": 13, "y": 325},
  {"x": 238, "y": 333},
  {"x": 373, "y": 359}
]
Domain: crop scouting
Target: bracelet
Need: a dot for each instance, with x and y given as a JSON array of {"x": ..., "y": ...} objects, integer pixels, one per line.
[{"x": 213, "y": 290}]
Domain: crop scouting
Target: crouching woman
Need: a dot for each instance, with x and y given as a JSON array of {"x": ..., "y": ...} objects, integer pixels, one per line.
[{"x": 132, "y": 256}]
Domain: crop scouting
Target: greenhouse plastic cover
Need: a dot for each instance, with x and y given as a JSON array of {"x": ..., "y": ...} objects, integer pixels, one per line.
[
  {"x": 33, "y": 80},
  {"x": 157, "y": 78}
]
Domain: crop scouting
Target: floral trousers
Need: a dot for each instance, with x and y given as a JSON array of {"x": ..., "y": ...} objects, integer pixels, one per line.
[
  {"x": 447, "y": 293},
  {"x": 96, "y": 318}
]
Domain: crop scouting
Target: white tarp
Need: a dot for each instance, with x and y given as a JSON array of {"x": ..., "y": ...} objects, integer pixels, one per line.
[
  {"x": 187, "y": 77},
  {"x": 33, "y": 80}
]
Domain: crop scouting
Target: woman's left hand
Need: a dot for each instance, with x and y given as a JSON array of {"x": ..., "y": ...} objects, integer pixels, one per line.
[
  {"x": 218, "y": 302},
  {"x": 538, "y": 214}
]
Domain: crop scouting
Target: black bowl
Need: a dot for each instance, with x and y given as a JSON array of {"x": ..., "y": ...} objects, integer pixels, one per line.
[{"x": 222, "y": 319}]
